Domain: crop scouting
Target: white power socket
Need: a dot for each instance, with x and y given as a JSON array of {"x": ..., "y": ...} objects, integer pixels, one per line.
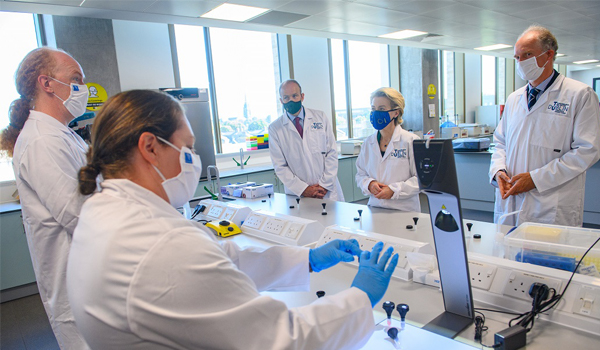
[
  {"x": 274, "y": 225},
  {"x": 215, "y": 212},
  {"x": 588, "y": 302},
  {"x": 518, "y": 284},
  {"x": 482, "y": 275},
  {"x": 366, "y": 243},
  {"x": 254, "y": 221},
  {"x": 332, "y": 235}
]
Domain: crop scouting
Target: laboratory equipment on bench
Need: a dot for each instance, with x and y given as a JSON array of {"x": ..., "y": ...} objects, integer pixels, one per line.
[
  {"x": 257, "y": 191},
  {"x": 389, "y": 307},
  {"x": 281, "y": 228},
  {"x": 224, "y": 228},
  {"x": 210, "y": 209},
  {"x": 350, "y": 147},
  {"x": 474, "y": 129},
  {"x": 235, "y": 190},
  {"x": 471, "y": 144},
  {"x": 197, "y": 110},
  {"x": 366, "y": 241},
  {"x": 436, "y": 172}
]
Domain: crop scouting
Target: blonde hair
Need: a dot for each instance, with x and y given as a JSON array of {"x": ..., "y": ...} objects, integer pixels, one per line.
[
  {"x": 40, "y": 61},
  {"x": 117, "y": 130},
  {"x": 396, "y": 100}
]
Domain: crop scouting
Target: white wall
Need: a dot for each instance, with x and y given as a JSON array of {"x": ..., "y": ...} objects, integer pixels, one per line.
[
  {"x": 310, "y": 58},
  {"x": 143, "y": 55},
  {"x": 472, "y": 86},
  {"x": 585, "y": 76}
]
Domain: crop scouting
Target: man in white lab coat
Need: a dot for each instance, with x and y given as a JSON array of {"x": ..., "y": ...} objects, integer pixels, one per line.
[
  {"x": 303, "y": 148},
  {"x": 547, "y": 138},
  {"x": 47, "y": 155}
]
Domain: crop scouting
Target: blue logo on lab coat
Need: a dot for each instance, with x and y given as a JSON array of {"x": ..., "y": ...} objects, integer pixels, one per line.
[
  {"x": 188, "y": 158},
  {"x": 399, "y": 153},
  {"x": 317, "y": 126},
  {"x": 560, "y": 108},
  {"x": 75, "y": 88}
]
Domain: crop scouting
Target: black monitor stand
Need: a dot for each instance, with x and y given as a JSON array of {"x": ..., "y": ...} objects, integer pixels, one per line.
[{"x": 436, "y": 172}]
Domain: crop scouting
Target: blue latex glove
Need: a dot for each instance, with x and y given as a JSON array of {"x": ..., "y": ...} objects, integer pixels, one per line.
[
  {"x": 373, "y": 277},
  {"x": 332, "y": 253}
]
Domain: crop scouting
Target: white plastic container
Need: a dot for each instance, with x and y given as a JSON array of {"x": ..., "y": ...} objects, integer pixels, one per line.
[{"x": 554, "y": 246}]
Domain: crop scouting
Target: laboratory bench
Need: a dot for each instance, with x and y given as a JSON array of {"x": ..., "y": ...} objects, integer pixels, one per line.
[{"x": 426, "y": 302}]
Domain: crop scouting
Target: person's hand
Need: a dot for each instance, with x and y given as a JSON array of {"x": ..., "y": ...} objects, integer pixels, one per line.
[
  {"x": 322, "y": 190},
  {"x": 385, "y": 193},
  {"x": 313, "y": 191},
  {"x": 373, "y": 277},
  {"x": 375, "y": 187},
  {"x": 520, "y": 183},
  {"x": 503, "y": 182},
  {"x": 332, "y": 253}
]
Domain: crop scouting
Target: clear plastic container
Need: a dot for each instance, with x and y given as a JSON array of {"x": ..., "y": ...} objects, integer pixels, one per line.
[{"x": 559, "y": 247}]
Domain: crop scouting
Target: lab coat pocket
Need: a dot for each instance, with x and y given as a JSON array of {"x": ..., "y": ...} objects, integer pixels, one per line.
[
  {"x": 317, "y": 142},
  {"x": 550, "y": 133}
]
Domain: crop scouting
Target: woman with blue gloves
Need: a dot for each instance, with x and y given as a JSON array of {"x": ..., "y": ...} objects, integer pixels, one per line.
[
  {"x": 140, "y": 276},
  {"x": 385, "y": 167}
]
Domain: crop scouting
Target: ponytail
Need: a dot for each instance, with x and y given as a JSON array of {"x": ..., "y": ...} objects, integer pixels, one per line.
[{"x": 37, "y": 62}]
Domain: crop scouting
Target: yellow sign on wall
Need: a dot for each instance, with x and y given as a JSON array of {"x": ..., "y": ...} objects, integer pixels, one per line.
[
  {"x": 431, "y": 91},
  {"x": 96, "y": 96}
]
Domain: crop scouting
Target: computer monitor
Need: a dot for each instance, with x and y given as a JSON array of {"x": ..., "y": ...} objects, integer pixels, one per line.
[{"x": 436, "y": 172}]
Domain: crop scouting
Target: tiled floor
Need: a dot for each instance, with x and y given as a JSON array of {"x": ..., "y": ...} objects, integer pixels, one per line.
[{"x": 24, "y": 325}]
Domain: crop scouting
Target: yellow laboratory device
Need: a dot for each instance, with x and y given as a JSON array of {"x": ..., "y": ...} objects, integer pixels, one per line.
[{"x": 224, "y": 228}]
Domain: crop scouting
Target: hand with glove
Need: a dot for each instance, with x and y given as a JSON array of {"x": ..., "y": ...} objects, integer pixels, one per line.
[
  {"x": 373, "y": 277},
  {"x": 332, "y": 253}
]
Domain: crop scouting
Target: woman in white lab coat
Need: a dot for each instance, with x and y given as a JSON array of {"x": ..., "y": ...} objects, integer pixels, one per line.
[
  {"x": 385, "y": 167},
  {"x": 141, "y": 276}
]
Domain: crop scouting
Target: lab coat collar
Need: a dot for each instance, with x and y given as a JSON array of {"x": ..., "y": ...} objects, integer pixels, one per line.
[
  {"x": 543, "y": 99},
  {"x": 395, "y": 138},
  {"x": 131, "y": 191},
  {"x": 48, "y": 120}
]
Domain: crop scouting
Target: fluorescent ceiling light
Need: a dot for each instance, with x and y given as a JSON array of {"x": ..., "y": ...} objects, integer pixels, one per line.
[
  {"x": 586, "y": 61},
  {"x": 560, "y": 55},
  {"x": 493, "y": 47},
  {"x": 232, "y": 12},
  {"x": 403, "y": 34}
]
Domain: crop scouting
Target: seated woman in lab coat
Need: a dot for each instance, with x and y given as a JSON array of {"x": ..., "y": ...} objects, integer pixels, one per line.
[
  {"x": 385, "y": 167},
  {"x": 141, "y": 276}
]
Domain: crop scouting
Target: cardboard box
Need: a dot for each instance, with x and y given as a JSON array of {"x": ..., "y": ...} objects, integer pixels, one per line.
[
  {"x": 235, "y": 190},
  {"x": 256, "y": 191}
]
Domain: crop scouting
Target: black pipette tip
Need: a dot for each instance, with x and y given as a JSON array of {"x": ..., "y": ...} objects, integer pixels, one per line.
[
  {"x": 388, "y": 306},
  {"x": 469, "y": 225},
  {"x": 415, "y": 219},
  {"x": 269, "y": 195},
  {"x": 359, "y": 212},
  {"x": 393, "y": 333},
  {"x": 298, "y": 200},
  {"x": 402, "y": 310}
]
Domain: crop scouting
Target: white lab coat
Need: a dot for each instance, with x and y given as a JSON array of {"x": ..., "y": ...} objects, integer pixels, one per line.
[
  {"x": 300, "y": 162},
  {"x": 396, "y": 169},
  {"x": 140, "y": 276},
  {"x": 557, "y": 141},
  {"x": 46, "y": 160}
]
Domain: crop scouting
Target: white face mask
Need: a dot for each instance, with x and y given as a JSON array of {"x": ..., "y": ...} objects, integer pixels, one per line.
[
  {"x": 181, "y": 188},
  {"x": 76, "y": 103},
  {"x": 529, "y": 70}
]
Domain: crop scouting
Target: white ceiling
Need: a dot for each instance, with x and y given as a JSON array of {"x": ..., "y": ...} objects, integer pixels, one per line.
[{"x": 462, "y": 24}]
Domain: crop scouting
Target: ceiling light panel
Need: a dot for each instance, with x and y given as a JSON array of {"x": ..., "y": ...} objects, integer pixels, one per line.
[
  {"x": 493, "y": 47},
  {"x": 586, "y": 61},
  {"x": 232, "y": 12},
  {"x": 403, "y": 34}
]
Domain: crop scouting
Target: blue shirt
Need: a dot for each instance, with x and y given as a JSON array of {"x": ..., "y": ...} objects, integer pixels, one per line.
[
  {"x": 544, "y": 84},
  {"x": 300, "y": 115}
]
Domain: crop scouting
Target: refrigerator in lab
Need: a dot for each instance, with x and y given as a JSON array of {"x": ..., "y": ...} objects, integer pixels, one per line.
[{"x": 197, "y": 110}]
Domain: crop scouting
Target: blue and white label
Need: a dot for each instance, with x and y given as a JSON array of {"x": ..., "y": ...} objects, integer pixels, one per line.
[
  {"x": 75, "y": 88},
  {"x": 399, "y": 153},
  {"x": 317, "y": 126},
  {"x": 560, "y": 108},
  {"x": 188, "y": 158}
]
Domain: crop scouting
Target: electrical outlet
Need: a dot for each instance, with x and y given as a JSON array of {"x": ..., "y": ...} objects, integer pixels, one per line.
[
  {"x": 401, "y": 250},
  {"x": 366, "y": 243},
  {"x": 482, "y": 275},
  {"x": 215, "y": 211},
  {"x": 330, "y": 236},
  {"x": 254, "y": 221},
  {"x": 293, "y": 230},
  {"x": 274, "y": 226},
  {"x": 518, "y": 284},
  {"x": 229, "y": 213},
  {"x": 588, "y": 302}
]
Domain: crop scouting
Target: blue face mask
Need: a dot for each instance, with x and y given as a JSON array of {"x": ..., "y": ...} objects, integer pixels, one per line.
[{"x": 380, "y": 119}]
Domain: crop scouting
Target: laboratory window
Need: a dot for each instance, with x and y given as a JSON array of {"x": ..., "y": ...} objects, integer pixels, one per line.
[
  {"x": 488, "y": 80},
  {"x": 246, "y": 78},
  {"x": 447, "y": 61},
  {"x": 338, "y": 70},
  {"x": 18, "y": 36}
]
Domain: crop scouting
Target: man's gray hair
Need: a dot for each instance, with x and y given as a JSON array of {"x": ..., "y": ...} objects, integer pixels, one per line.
[
  {"x": 287, "y": 82},
  {"x": 545, "y": 38}
]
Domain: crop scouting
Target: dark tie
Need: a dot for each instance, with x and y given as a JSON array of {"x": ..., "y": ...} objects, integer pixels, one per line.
[
  {"x": 533, "y": 92},
  {"x": 298, "y": 126}
]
